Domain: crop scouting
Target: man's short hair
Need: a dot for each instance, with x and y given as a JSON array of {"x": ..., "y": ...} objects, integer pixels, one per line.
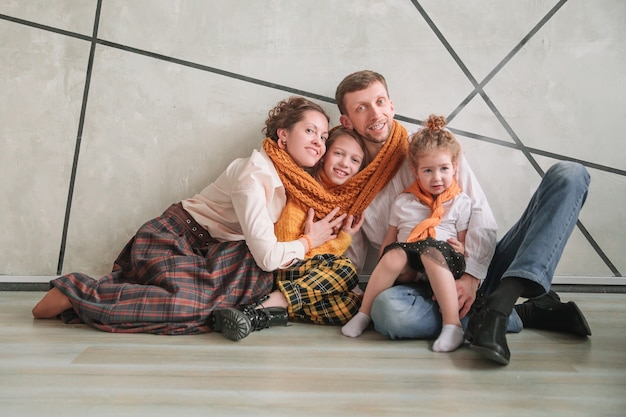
[{"x": 357, "y": 81}]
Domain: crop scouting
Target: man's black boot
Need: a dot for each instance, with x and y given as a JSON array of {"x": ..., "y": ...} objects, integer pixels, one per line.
[
  {"x": 487, "y": 335},
  {"x": 547, "y": 312}
]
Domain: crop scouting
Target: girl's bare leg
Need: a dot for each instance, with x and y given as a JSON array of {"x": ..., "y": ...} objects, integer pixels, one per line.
[
  {"x": 51, "y": 305},
  {"x": 275, "y": 299},
  {"x": 444, "y": 287},
  {"x": 384, "y": 275}
]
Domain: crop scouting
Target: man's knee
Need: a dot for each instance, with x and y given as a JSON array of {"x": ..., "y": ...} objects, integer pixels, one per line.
[
  {"x": 402, "y": 312},
  {"x": 567, "y": 173}
]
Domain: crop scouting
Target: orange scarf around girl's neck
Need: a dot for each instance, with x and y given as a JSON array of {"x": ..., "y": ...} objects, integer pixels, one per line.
[
  {"x": 303, "y": 191},
  {"x": 426, "y": 228}
]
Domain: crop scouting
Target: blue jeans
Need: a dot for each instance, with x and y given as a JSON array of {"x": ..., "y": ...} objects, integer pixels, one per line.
[{"x": 531, "y": 249}]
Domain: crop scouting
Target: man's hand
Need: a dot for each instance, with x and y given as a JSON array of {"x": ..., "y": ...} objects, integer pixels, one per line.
[{"x": 466, "y": 287}]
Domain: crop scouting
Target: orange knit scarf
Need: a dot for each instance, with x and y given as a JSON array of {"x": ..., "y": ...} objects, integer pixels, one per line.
[
  {"x": 426, "y": 228},
  {"x": 303, "y": 191}
]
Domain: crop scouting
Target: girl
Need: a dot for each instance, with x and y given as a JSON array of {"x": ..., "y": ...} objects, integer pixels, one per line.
[
  {"x": 432, "y": 207},
  {"x": 346, "y": 155}
]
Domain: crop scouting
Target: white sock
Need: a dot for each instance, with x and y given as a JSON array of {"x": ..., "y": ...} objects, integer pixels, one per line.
[
  {"x": 356, "y": 325},
  {"x": 450, "y": 338}
]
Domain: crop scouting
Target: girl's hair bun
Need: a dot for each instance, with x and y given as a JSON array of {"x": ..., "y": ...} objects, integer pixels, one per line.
[{"x": 435, "y": 123}]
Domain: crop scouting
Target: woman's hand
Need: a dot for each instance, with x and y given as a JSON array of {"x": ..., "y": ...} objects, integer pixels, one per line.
[
  {"x": 323, "y": 230},
  {"x": 353, "y": 224}
]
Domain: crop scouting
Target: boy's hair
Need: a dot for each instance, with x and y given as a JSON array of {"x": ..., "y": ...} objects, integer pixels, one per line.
[
  {"x": 433, "y": 137},
  {"x": 357, "y": 81}
]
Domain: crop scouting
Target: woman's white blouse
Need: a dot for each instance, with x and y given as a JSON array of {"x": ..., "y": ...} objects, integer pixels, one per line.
[{"x": 243, "y": 203}]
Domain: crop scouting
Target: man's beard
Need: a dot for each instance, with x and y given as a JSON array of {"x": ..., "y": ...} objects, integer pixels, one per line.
[{"x": 372, "y": 140}]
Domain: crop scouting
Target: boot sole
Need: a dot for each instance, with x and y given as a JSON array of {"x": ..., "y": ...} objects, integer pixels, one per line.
[
  {"x": 232, "y": 323},
  {"x": 490, "y": 354}
]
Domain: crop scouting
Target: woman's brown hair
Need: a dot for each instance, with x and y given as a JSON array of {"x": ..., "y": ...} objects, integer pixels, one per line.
[{"x": 287, "y": 113}]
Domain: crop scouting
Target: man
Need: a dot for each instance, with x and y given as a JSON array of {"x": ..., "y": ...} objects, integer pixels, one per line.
[{"x": 522, "y": 263}]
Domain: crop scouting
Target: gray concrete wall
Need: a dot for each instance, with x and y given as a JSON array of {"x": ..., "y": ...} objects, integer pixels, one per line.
[{"x": 113, "y": 110}]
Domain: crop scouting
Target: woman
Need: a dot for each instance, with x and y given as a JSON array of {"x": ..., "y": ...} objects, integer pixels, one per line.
[{"x": 217, "y": 249}]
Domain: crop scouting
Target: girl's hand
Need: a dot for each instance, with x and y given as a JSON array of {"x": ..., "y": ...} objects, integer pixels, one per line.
[
  {"x": 353, "y": 224},
  {"x": 323, "y": 230},
  {"x": 457, "y": 245}
]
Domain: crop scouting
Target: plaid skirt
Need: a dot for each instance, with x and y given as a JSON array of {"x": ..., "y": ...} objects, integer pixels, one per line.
[{"x": 167, "y": 280}]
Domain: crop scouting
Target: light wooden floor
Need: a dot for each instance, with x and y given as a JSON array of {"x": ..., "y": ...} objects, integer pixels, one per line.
[{"x": 48, "y": 368}]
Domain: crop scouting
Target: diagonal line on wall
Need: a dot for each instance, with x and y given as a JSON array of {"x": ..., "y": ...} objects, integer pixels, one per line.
[
  {"x": 479, "y": 89},
  {"x": 534, "y": 151},
  {"x": 167, "y": 58},
  {"x": 45, "y": 27},
  {"x": 305, "y": 93},
  {"x": 215, "y": 70},
  {"x": 81, "y": 123},
  {"x": 598, "y": 249}
]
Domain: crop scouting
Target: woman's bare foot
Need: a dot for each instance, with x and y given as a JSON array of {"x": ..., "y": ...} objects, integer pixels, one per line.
[{"x": 51, "y": 305}]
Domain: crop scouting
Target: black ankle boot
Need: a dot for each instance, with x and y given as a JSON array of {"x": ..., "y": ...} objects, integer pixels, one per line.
[
  {"x": 547, "y": 312},
  {"x": 487, "y": 335},
  {"x": 474, "y": 324},
  {"x": 235, "y": 324}
]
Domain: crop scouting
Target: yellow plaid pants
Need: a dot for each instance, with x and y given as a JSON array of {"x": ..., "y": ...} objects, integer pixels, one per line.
[{"x": 318, "y": 290}]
